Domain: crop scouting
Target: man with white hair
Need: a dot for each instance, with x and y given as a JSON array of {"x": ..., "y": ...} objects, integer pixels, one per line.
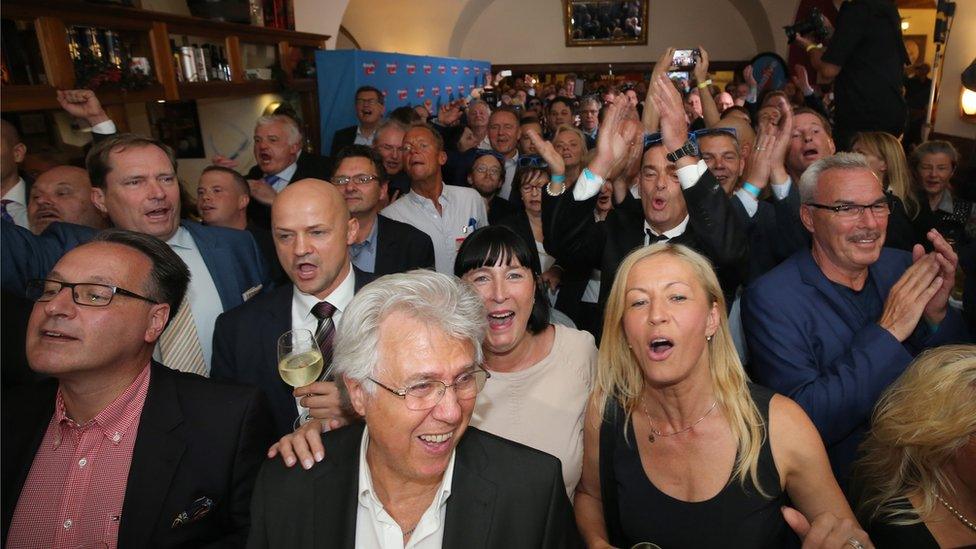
[
  {"x": 415, "y": 474},
  {"x": 832, "y": 326}
]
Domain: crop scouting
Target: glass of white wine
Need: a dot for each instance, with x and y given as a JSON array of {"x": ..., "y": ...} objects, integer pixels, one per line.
[{"x": 299, "y": 362}]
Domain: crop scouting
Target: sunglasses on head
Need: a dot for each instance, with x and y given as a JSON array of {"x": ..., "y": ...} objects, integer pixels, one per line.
[{"x": 532, "y": 161}]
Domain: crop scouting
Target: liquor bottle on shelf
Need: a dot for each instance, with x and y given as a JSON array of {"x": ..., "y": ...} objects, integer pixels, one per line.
[
  {"x": 201, "y": 64},
  {"x": 177, "y": 61},
  {"x": 256, "y": 9},
  {"x": 74, "y": 49},
  {"x": 224, "y": 65},
  {"x": 112, "y": 49},
  {"x": 189, "y": 64}
]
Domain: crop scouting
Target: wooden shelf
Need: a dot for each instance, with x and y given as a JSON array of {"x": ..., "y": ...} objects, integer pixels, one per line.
[
  {"x": 206, "y": 90},
  {"x": 28, "y": 98}
]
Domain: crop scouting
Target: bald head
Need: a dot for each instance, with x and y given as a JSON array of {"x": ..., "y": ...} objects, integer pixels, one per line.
[
  {"x": 63, "y": 193},
  {"x": 743, "y": 133},
  {"x": 312, "y": 230}
]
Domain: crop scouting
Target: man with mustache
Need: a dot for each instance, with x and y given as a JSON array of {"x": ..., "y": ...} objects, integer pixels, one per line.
[
  {"x": 63, "y": 193},
  {"x": 835, "y": 323}
]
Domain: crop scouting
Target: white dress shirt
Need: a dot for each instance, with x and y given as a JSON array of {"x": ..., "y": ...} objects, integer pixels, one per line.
[
  {"x": 202, "y": 294},
  {"x": 285, "y": 176},
  {"x": 363, "y": 139},
  {"x": 17, "y": 207},
  {"x": 751, "y": 203},
  {"x": 375, "y": 528},
  {"x": 463, "y": 211}
]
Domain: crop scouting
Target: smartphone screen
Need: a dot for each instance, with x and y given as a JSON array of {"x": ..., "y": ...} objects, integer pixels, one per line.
[{"x": 683, "y": 59}]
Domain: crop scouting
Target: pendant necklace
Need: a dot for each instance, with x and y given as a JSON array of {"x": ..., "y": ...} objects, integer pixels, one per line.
[{"x": 650, "y": 436}]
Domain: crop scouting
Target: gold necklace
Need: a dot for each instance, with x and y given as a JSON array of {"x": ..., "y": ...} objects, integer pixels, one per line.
[
  {"x": 650, "y": 436},
  {"x": 969, "y": 524}
]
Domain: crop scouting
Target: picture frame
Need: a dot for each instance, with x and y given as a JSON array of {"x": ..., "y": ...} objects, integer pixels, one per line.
[{"x": 589, "y": 23}]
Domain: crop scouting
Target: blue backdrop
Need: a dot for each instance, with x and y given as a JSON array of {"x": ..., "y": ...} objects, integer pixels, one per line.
[{"x": 404, "y": 79}]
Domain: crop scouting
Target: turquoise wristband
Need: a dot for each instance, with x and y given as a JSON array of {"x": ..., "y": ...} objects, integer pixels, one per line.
[
  {"x": 751, "y": 189},
  {"x": 589, "y": 175},
  {"x": 558, "y": 178}
]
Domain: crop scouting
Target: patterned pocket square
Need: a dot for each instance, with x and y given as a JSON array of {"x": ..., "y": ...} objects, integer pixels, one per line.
[
  {"x": 200, "y": 508},
  {"x": 252, "y": 292}
]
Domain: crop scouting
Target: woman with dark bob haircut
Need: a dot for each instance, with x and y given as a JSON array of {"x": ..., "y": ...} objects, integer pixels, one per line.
[{"x": 541, "y": 373}]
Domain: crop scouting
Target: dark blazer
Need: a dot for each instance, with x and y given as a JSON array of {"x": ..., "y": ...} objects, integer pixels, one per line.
[
  {"x": 343, "y": 137},
  {"x": 231, "y": 256},
  {"x": 245, "y": 349},
  {"x": 197, "y": 438},
  {"x": 503, "y": 495},
  {"x": 578, "y": 239},
  {"x": 308, "y": 166},
  {"x": 810, "y": 343},
  {"x": 401, "y": 247}
]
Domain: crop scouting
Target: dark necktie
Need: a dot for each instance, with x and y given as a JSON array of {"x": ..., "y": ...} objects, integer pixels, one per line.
[
  {"x": 652, "y": 238},
  {"x": 325, "y": 332},
  {"x": 3, "y": 211}
]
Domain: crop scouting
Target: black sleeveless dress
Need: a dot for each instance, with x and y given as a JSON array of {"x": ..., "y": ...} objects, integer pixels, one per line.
[{"x": 636, "y": 511}]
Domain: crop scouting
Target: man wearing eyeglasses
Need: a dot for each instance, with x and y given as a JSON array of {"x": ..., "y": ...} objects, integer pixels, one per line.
[
  {"x": 832, "y": 326},
  {"x": 486, "y": 177},
  {"x": 370, "y": 108},
  {"x": 115, "y": 449},
  {"x": 382, "y": 246},
  {"x": 415, "y": 474}
]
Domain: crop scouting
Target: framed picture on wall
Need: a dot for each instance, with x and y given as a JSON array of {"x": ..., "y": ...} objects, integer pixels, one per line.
[
  {"x": 176, "y": 123},
  {"x": 605, "y": 22},
  {"x": 915, "y": 46}
]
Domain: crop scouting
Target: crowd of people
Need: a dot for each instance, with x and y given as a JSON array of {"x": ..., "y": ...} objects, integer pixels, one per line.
[{"x": 661, "y": 312}]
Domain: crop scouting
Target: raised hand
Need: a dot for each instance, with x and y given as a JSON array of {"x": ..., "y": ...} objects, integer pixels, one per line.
[
  {"x": 662, "y": 65},
  {"x": 557, "y": 165},
  {"x": 449, "y": 113},
  {"x": 749, "y": 77},
  {"x": 611, "y": 146},
  {"x": 674, "y": 124},
  {"x": 910, "y": 296},
  {"x": 262, "y": 192},
  {"x": 827, "y": 531},
  {"x": 467, "y": 141},
  {"x": 701, "y": 68},
  {"x": 761, "y": 159},
  {"x": 82, "y": 104},
  {"x": 801, "y": 79},
  {"x": 781, "y": 145},
  {"x": 945, "y": 256}
]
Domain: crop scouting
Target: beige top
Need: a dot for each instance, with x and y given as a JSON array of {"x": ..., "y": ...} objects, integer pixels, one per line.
[{"x": 543, "y": 406}]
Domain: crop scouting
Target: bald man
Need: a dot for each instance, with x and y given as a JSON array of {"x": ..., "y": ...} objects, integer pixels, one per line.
[
  {"x": 312, "y": 230},
  {"x": 63, "y": 193}
]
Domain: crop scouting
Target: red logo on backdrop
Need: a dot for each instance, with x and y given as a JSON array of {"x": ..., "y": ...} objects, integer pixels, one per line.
[
  {"x": 420, "y": 92},
  {"x": 411, "y": 68},
  {"x": 453, "y": 69},
  {"x": 461, "y": 89},
  {"x": 436, "y": 90},
  {"x": 402, "y": 94},
  {"x": 441, "y": 69},
  {"x": 448, "y": 89},
  {"x": 467, "y": 70},
  {"x": 369, "y": 68},
  {"x": 427, "y": 69},
  {"x": 477, "y": 70},
  {"x": 391, "y": 68}
]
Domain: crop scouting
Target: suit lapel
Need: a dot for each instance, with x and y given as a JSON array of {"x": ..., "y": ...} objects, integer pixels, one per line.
[
  {"x": 218, "y": 261},
  {"x": 336, "y": 500},
  {"x": 21, "y": 441},
  {"x": 385, "y": 246},
  {"x": 155, "y": 458},
  {"x": 279, "y": 322},
  {"x": 471, "y": 506},
  {"x": 811, "y": 274}
]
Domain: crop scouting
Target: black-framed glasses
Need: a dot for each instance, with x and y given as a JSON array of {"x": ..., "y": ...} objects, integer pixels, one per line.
[
  {"x": 359, "y": 180},
  {"x": 485, "y": 169},
  {"x": 851, "y": 211},
  {"x": 88, "y": 294},
  {"x": 532, "y": 161},
  {"x": 424, "y": 395}
]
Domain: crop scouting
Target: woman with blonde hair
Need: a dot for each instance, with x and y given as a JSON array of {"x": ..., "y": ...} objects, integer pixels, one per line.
[
  {"x": 570, "y": 143},
  {"x": 884, "y": 154},
  {"x": 679, "y": 449},
  {"x": 917, "y": 473}
]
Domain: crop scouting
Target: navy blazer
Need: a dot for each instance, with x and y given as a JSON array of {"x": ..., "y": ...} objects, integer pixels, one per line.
[
  {"x": 401, "y": 247},
  {"x": 808, "y": 342},
  {"x": 503, "y": 495},
  {"x": 245, "y": 349},
  {"x": 231, "y": 256},
  {"x": 197, "y": 438}
]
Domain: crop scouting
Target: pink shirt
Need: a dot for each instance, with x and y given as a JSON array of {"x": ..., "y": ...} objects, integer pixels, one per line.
[{"x": 74, "y": 492}]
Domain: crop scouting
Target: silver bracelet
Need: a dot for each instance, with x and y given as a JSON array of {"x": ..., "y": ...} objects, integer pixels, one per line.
[{"x": 549, "y": 189}]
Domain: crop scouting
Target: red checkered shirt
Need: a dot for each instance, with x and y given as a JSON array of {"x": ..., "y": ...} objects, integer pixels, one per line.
[{"x": 73, "y": 494}]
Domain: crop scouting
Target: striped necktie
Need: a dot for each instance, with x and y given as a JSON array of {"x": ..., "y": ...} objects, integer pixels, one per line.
[
  {"x": 180, "y": 345},
  {"x": 4, "y": 214},
  {"x": 325, "y": 332}
]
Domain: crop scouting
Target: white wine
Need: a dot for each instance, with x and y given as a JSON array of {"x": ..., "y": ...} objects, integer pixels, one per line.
[{"x": 301, "y": 369}]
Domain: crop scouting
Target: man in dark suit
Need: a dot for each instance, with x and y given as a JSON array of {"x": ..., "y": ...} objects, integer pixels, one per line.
[
  {"x": 115, "y": 448},
  {"x": 408, "y": 338},
  {"x": 832, "y": 326},
  {"x": 280, "y": 160},
  {"x": 681, "y": 201},
  {"x": 382, "y": 245},
  {"x": 135, "y": 184},
  {"x": 312, "y": 231},
  {"x": 370, "y": 108}
]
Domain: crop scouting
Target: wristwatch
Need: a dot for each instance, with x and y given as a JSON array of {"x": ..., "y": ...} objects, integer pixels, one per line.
[{"x": 690, "y": 148}]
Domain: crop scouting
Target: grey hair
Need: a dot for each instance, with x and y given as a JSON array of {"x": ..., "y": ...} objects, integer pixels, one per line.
[
  {"x": 438, "y": 300},
  {"x": 934, "y": 147},
  {"x": 391, "y": 123},
  {"x": 294, "y": 132},
  {"x": 839, "y": 161}
]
